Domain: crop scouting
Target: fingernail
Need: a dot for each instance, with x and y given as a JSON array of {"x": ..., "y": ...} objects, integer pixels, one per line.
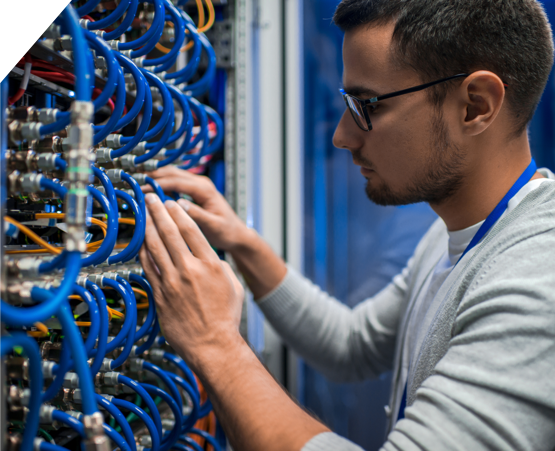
[
  {"x": 169, "y": 204},
  {"x": 185, "y": 204},
  {"x": 151, "y": 198}
]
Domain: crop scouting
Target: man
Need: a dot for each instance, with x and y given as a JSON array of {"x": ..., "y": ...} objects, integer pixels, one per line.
[{"x": 468, "y": 327}]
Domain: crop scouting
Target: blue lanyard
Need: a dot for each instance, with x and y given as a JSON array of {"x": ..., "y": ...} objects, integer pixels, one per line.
[
  {"x": 501, "y": 206},
  {"x": 484, "y": 229}
]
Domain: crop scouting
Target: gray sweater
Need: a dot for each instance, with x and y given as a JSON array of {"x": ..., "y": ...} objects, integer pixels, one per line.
[{"x": 482, "y": 373}]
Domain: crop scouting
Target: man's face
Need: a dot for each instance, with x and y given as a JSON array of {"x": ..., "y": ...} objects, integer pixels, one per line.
[{"x": 408, "y": 157}]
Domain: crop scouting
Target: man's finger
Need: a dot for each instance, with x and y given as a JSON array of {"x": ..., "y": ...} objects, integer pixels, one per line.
[
  {"x": 167, "y": 230},
  {"x": 199, "y": 214},
  {"x": 157, "y": 249},
  {"x": 190, "y": 232},
  {"x": 151, "y": 271},
  {"x": 199, "y": 188}
]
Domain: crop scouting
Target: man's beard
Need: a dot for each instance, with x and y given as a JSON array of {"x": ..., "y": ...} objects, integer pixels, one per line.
[{"x": 441, "y": 179}]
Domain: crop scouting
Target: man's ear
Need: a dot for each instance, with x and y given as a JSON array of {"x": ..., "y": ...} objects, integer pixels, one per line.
[{"x": 482, "y": 96}]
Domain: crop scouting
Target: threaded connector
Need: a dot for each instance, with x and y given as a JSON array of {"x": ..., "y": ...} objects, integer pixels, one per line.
[
  {"x": 139, "y": 149},
  {"x": 114, "y": 175},
  {"x": 48, "y": 369},
  {"x": 31, "y": 182},
  {"x": 48, "y": 115},
  {"x": 45, "y": 414},
  {"x": 150, "y": 165},
  {"x": 104, "y": 155},
  {"x": 96, "y": 438},
  {"x": 71, "y": 380},
  {"x": 113, "y": 141},
  {"x": 31, "y": 130}
]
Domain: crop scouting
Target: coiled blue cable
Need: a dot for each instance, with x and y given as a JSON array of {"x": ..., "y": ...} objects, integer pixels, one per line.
[
  {"x": 120, "y": 420},
  {"x": 111, "y": 18},
  {"x": 127, "y": 331},
  {"x": 104, "y": 49},
  {"x": 206, "y": 436},
  {"x": 104, "y": 326},
  {"x": 171, "y": 437},
  {"x": 219, "y": 138},
  {"x": 27, "y": 316},
  {"x": 94, "y": 314},
  {"x": 32, "y": 351},
  {"x": 129, "y": 144},
  {"x": 132, "y": 249},
  {"x": 151, "y": 338},
  {"x": 102, "y": 131},
  {"x": 83, "y": 79},
  {"x": 125, "y": 23},
  {"x": 171, "y": 56},
  {"x": 108, "y": 186},
  {"x": 192, "y": 418},
  {"x": 122, "y": 404},
  {"x": 151, "y": 314},
  {"x": 151, "y": 33},
  {"x": 88, "y": 7},
  {"x": 136, "y": 387},
  {"x": 203, "y": 84},
  {"x": 75, "y": 342},
  {"x": 140, "y": 83},
  {"x": 166, "y": 379},
  {"x": 189, "y": 70}
]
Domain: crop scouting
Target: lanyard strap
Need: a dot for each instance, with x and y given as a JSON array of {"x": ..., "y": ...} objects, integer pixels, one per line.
[
  {"x": 484, "y": 229},
  {"x": 501, "y": 206}
]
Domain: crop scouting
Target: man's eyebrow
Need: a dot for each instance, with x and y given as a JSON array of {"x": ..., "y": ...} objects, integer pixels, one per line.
[{"x": 360, "y": 91}]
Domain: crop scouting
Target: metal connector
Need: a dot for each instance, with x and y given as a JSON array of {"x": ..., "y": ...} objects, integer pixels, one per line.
[
  {"x": 139, "y": 149},
  {"x": 97, "y": 279},
  {"x": 156, "y": 355},
  {"x": 48, "y": 369},
  {"x": 63, "y": 43},
  {"x": 48, "y": 115},
  {"x": 94, "y": 430},
  {"x": 104, "y": 155},
  {"x": 150, "y": 165},
  {"x": 140, "y": 178},
  {"x": 113, "y": 141},
  {"x": 45, "y": 414},
  {"x": 71, "y": 380},
  {"x": 31, "y": 130},
  {"x": 46, "y": 161},
  {"x": 114, "y": 175},
  {"x": 31, "y": 182},
  {"x": 127, "y": 161}
]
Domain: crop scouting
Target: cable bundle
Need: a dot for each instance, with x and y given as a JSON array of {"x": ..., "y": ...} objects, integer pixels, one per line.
[{"x": 118, "y": 348}]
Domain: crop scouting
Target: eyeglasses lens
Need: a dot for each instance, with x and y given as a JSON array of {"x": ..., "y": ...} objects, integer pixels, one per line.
[{"x": 357, "y": 113}]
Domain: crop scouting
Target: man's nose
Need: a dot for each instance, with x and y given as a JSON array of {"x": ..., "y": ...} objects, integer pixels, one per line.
[{"x": 347, "y": 134}]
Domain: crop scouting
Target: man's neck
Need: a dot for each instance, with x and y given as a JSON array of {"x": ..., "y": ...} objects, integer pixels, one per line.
[{"x": 485, "y": 185}]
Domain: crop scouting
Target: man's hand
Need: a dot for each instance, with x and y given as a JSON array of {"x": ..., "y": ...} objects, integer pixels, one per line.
[
  {"x": 198, "y": 298},
  {"x": 219, "y": 223}
]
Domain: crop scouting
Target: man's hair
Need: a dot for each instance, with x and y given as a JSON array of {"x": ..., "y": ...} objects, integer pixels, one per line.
[{"x": 440, "y": 38}]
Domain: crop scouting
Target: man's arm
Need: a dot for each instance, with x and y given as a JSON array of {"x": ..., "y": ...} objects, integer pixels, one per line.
[
  {"x": 345, "y": 344},
  {"x": 195, "y": 292}
]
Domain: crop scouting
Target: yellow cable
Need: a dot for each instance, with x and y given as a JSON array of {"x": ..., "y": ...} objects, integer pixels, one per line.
[
  {"x": 40, "y": 333},
  {"x": 211, "y": 17},
  {"x": 142, "y": 306},
  {"x": 201, "y": 27},
  {"x": 47, "y": 246},
  {"x": 37, "y": 239},
  {"x": 141, "y": 292}
]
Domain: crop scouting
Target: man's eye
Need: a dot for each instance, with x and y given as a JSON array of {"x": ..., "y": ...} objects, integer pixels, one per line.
[{"x": 372, "y": 108}]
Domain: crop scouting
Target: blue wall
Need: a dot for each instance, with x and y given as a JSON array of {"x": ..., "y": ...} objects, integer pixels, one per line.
[{"x": 352, "y": 247}]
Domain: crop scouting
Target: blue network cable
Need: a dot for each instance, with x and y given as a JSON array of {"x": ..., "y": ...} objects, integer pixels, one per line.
[
  {"x": 108, "y": 186},
  {"x": 206, "y": 436},
  {"x": 190, "y": 421},
  {"x": 120, "y": 420},
  {"x": 171, "y": 437},
  {"x": 125, "y": 23},
  {"x": 100, "y": 46},
  {"x": 32, "y": 351},
  {"x": 140, "y": 83},
  {"x": 94, "y": 313},
  {"x": 153, "y": 34},
  {"x": 151, "y": 338},
  {"x": 151, "y": 314},
  {"x": 166, "y": 380},
  {"x": 203, "y": 84},
  {"x": 111, "y": 18},
  {"x": 104, "y": 326},
  {"x": 132, "y": 249},
  {"x": 122, "y": 404},
  {"x": 76, "y": 345},
  {"x": 137, "y": 388},
  {"x": 189, "y": 70},
  {"x": 102, "y": 131}
]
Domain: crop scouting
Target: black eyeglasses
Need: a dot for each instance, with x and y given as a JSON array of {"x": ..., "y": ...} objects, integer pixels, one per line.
[{"x": 359, "y": 107}]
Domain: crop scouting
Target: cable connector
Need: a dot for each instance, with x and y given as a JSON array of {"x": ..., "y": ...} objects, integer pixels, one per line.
[
  {"x": 97, "y": 279},
  {"x": 30, "y": 183},
  {"x": 113, "y": 141},
  {"x": 150, "y": 165},
  {"x": 103, "y": 155},
  {"x": 156, "y": 355},
  {"x": 48, "y": 369},
  {"x": 127, "y": 162},
  {"x": 139, "y": 149},
  {"x": 114, "y": 175},
  {"x": 140, "y": 178},
  {"x": 27, "y": 267},
  {"x": 136, "y": 365},
  {"x": 114, "y": 45},
  {"x": 45, "y": 414},
  {"x": 46, "y": 161},
  {"x": 63, "y": 43},
  {"x": 99, "y": 33},
  {"x": 94, "y": 430},
  {"x": 36, "y": 443},
  {"x": 31, "y": 130},
  {"x": 71, "y": 380},
  {"x": 48, "y": 115},
  {"x": 84, "y": 23}
]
